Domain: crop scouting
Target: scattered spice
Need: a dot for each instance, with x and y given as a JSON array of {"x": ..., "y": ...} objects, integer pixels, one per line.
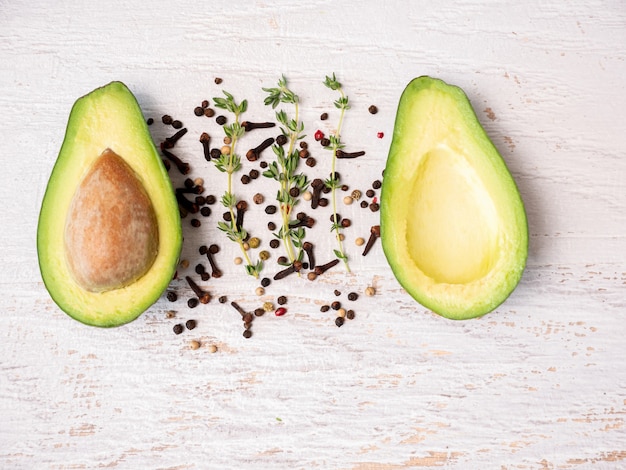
[
  {"x": 380, "y": 135},
  {"x": 280, "y": 311},
  {"x": 247, "y": 333},
  {"x": 352, "y": 296},
  {"x": 178, "y": 329},
  {"x": 350, "y": 314},
  {"x": 339, "y": 321},
  {"x": 194, "y": 344},
  {"x": 190, "y": 324},
  {"x": 172, "y": 296},
  {"x": 223, "y": 299},
  {"x": 282, "y": 300},
  {"x": 372, "y": 109},
  {"x": 212, "y": 349},
  {"x": 193, "y": 302},
  {"x": 370, "y": 291},
  {"x": 259, "y": 291},
  {"x": 359, "y": 241},
  {"x": 324, "y": 116},
  {"x": 374, "y": 234},
  {"x": 218, "y": 80}
]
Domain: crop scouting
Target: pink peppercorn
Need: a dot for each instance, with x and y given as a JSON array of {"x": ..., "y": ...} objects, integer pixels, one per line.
[
  {"x": 319, "y": 135},
  {"x": 280, "y": 311},
  {"x": 380, "y": 135}
]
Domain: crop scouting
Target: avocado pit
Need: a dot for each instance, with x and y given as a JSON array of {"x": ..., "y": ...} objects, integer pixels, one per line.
[{"x": 111, "y": 230}]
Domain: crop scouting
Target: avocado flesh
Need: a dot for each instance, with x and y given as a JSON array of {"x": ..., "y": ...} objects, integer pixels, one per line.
[
  {"x": 109, "y": 200},
  {"x": 453, "y": 225}
]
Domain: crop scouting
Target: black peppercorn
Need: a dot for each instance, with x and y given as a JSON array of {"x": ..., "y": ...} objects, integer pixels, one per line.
[
  {"x": 166, "y": 119},
  {"x": 150, "y": 121},
  {"x": 245, "y": 179},
  {"x": 281, "y": 140},
  {"x": 370, "y": 193},
  {"x": 247, "y": 333},
  {"x": 210, "y": 199},
  {"x": 274, "y": 243},
  {"x": 270, "y": 209},
  {"x": 325, "y": 142},
  {"x": 337, "y": 293},
  {"x": 223, "y": 299},
  {"x": 171, "y": 296},
  {"x": 195, "y": 223},
  {"x": 364, "y": 204},
  {"x": 271, "y": 226},
  {"x": 254, "y": 174},
  {"x": 336, "y": 305},
  {"x": 339, "y": 321},
  {"x": 177, "y": 124},
  {"x": 350, "y": 314},
  {"x": 205, "y": 211},
  {"x": 282, "y": 300},
  {"x": 372, "y": 109},
  {"x": 221, "y": 120},
  {"x": 193, "y": 302},
  {"x": 190, "y": 324},
  {"x": 324, "y": 116},
  {"x": 215, "y": 153},
  {"x": 352, "y": 296},
  {"x": 311, "y": 162},
  {"x": 198, "y": 111},
  {"x": 227, "y": 216},
  {"x": 374, "y": 207},
  {"x": 178, "y": 329},
  {"x": 324, "y": 308},
  {"x": 266, "y": 281},
  {"x": 377, "y": 184}
]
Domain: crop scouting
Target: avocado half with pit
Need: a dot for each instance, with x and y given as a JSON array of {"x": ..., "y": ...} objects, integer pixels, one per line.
[
  {"x": 453, "y": 225},
  {"x": 109, "y": 233}
]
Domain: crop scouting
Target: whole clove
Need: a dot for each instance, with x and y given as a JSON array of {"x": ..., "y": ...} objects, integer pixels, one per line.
[
  {"x": 183, "y": 167},
  {"x": 319, "y": 270},
  {"x": 342, "y": 154},
  {"x": 318, "y": 186},
  {"x": 203, "y": 297},
  {"x": 308, "y": 249},
  {"x": 374, "y": 234},
  {"x": 215, "y": 271},
  {"x": 205, "y": 139},
  {"x": 171, "y": 141},
  {"x": 254, "y": 154},
  {"x": 248, "y": 126},
  {"x": 242, "y": 207},
  {"x": 294, "y": 267}
]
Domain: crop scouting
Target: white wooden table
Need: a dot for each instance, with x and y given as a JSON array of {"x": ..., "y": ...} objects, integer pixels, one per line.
[{"x": 539, "y": 383}]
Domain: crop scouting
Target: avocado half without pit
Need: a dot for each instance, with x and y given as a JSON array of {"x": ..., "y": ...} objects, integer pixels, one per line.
[
  {"x": 109, "y": 233},
  {"x": 453, "y": 225}
]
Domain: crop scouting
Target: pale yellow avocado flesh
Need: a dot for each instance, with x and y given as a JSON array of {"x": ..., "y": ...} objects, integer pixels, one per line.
[
  {"x": 108, "y": 119},
  {"x": 453, "y": 225}
]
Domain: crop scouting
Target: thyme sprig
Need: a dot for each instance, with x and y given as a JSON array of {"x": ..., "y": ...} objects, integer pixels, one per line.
[
  {"x": 230, "y": 163},
  {"x": 342, "y": 103},
  {"x": 283, "y": 170}
]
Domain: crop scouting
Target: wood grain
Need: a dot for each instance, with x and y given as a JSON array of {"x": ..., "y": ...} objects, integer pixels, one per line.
[{"x": 539, "y": 383}]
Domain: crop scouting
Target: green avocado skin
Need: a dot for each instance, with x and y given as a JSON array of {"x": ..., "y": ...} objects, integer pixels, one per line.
[
  {"x": 430, "y": 111},
  {"x": 107, "y": 117}
]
